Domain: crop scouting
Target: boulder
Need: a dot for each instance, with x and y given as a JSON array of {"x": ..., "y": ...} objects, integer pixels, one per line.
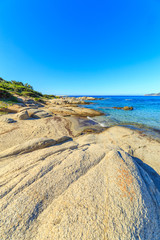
[
  {"x": 85, "y": 190},
  {"x": 29, "y": 146},
  {"x": 128, "y": 108},
  {"x": 35, "y": 113},
  {"x": 41, "y": 114},
  {"x": 75, "y": 111},
  {"x": 124, "y": 108},
  {"x": 7, "y": 120},
  {"x": 11, "y": 109},
  {"x": 23, "y": 115}
]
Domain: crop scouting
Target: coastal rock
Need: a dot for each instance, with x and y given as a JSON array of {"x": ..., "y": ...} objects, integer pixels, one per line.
[
  {"x": 90, "y": 98},
  {"x": 127, "y": 108},
  {"x": 50, "y": 127},
  {"x": 152, "y": 94},
  {"x": 29, "y": 146},
  {"x": 124, "y": 108},
  {"x": 10, "y": 109},
  {"x": 7, "y": 120},
  {"x": 39, "y": 114},
  {"x": 84, "y": 189},
  {"x": 86, "y": 98},
  {"x": 75, "y": 111},
  {"x": 23, "y": 115}
]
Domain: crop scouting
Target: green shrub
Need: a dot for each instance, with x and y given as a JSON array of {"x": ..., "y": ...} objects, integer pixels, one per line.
[
  {"x": 1, "y": 79},
  {"x": 6, "y": 96},
  {"x": 28, "y": 86},
  {"x": 17, "y": 83},
  {"x": 4, "y": 93},
  {"x": 48, "y": 96},
  {"x": 39, "y": 100},
  {"x": 33, "y": 94},
  {"x": 20, "y": 89}
]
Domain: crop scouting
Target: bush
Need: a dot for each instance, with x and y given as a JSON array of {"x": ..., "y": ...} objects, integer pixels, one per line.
[
  {"x": 28, "y": 86},
  {"x": 19, "y": 88},
  {"x": 1, "y": 79},
  {"x": 31, "y": 94},
  {"x": 4, "y": 93},
  {"x": 17, "y": 83},
  {"x": 48, "y": 96},
  {"x": 39, "y": 100},
  {"x": 6, "y": 86}
]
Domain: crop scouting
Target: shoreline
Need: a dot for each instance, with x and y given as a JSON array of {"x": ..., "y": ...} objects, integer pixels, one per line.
[
  {"x": 63, "y": 171},
  {"x": 78, "y": 117}
]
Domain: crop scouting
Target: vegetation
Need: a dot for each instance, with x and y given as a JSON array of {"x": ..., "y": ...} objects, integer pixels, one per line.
[{"x": 10, "y": 88}]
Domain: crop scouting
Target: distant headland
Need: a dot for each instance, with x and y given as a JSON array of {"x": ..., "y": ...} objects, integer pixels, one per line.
[{"x": 152, "y": 94}]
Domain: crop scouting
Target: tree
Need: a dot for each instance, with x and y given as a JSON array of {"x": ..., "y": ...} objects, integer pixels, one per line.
[{"x": 28, "y": 86}]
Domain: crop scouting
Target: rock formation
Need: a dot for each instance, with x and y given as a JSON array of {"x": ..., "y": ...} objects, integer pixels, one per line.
[
  {"x": 95, "y": 186},
  {"x": 124, "y": 108}
]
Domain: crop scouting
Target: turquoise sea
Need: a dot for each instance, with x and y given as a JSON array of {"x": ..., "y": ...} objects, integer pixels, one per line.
[{"x": 146, "y": 113}]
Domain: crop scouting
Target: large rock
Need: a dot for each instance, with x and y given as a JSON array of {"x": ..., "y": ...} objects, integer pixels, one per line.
[
  {"x": 29, "y": 146},
  {"x": 75, "y": 111},
  {"x": 23, "y": 115},
  {"x": 124, "y": 108},
  {"x": 41, "y": 114},
  {"x": 36, "y": 113},
  {"x": 6, "y": 119},
  {"x": 10, "y": 109},
  {"x": 87, "y": 189}
]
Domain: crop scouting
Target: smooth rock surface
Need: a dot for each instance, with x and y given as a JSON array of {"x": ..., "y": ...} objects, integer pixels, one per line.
[
  {"x": 6, "y": 120},
  {"x": 23, "y": 115},
  {"x": 89, "y": 188},
  {"x": 75, "y": 111}
]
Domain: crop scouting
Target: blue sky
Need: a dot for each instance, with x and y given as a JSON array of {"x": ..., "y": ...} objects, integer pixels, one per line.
[{"x": 103, "y": 47}]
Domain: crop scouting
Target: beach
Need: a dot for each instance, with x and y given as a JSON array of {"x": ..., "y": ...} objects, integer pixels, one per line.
[{"x": 65, "y": 176}]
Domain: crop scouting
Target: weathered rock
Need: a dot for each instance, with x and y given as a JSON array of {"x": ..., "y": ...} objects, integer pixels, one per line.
[
  {"x": 124, "y": 108},
  {"x": 41, "y": 114},
  {"x": 23, "y": 115},
  {"x": 29, "y": 146},
  {"x": 87, "y": 189},
  {"x": 87, "y": 98},
  {"x": 75, "y": 111},
  {"x": 36, "y": 113},
  {"x": 11, "y": 109},
  {"x": 7, "y": 120},
  {"x": 63, "y": 139},
  {"x": 24, "y": 130},
  {"x": 128, "y": 108}
]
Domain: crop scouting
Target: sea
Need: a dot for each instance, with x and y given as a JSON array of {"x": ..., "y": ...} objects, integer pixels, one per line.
[{"x": 145, "y": 114}]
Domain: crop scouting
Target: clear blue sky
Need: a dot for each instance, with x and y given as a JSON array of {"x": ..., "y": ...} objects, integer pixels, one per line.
[{"x": 88, "y": 47}]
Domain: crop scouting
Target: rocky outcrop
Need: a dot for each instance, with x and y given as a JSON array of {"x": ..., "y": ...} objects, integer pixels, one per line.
[
  {"x": 89, "y": 188},
  {"x": 37, "y": 113},
  {"x": 75, "y": 111},
  {"x": 23, "y": 115},
  {"x": 87, "y": 98},
  {"x": 66, "y": 101},
  {"x": 10, "y": 109},
  {"x": 29, "y": 146},
  {"x": 124, "y": 108},
  {"x": 6, "y": 119},
  {"x": 90, "y": 98},
  {"x": 152, "y": 94}
]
